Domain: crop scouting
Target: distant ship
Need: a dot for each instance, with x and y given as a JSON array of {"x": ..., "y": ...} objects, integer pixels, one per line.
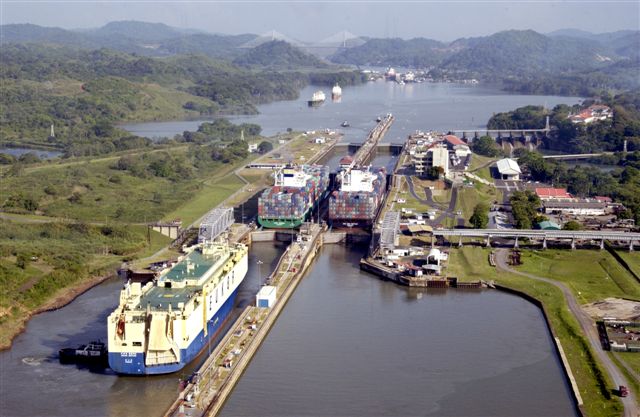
[
  {"x": 317, "y": 99},
  {"x": 345, "y": 124},
  {"x": 336, "y": 92}
]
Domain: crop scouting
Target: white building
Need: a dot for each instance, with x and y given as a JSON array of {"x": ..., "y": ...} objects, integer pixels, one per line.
[
  {"x": 576, "y": 208},
  {"x": 509, "y": 169},
  {"x": 252, "y": 147},
  {"x": 434, "y": 156}
]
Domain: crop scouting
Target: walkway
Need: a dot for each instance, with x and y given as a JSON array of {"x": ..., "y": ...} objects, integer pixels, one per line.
[{"x": 588, "y": 329}]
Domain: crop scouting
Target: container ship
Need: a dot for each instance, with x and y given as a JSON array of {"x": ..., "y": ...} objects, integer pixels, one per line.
[
  {"x": 160, "y": 327},
  {"x": 297, "y": 190},
  {"x": 316, "y": 99},
  {"x": 358, "y": 201}
]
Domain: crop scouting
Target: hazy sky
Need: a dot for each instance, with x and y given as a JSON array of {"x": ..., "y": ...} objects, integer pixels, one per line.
[{"x": 315, "y": 20}]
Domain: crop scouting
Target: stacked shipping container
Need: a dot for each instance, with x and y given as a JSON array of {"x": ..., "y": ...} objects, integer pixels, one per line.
[
  {"x": 298, "y": 189},
  {"x": 358, "y": 207}
]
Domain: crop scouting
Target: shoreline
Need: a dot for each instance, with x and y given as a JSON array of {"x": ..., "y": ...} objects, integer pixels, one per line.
[{"x": 57, "y": 302}]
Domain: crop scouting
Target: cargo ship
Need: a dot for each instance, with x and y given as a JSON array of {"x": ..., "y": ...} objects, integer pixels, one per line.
[
  {"x": 336, "y": 92},
  {"x": 160, "y": 327},
  {"x": 297, "y": 191},
  {"x": 317, "y": 99},
  {"x": 359, "y": 198}
]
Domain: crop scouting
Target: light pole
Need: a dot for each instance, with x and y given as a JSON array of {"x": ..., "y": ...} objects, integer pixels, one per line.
[{"x": 259, "y": 263}]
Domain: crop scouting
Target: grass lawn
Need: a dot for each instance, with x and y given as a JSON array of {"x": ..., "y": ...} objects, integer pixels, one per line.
[
  {"x": 211, "y": 194},
  {"x": 632, "y": 259},
  {"x": 591, "y": 274},
  {"x": 469, "y": 197},
  {"x": 480, "y": 166},
  {"x": 471, "y": 263}
]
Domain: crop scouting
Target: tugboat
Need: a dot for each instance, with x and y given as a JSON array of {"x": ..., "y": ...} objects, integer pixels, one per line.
[{"x": 94, "y": 353}]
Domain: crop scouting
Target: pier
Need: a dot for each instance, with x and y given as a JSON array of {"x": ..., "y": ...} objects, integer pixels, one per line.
[
  {"x": 367, "y": 149},
  {"x": 205, "y": 393}
]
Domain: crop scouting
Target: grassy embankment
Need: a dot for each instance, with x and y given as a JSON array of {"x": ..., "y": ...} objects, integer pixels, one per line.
[
  {"x": 480, "y": 166},
  {"x": 469, "y": 197},
  {"x": 471, "y": 263}
]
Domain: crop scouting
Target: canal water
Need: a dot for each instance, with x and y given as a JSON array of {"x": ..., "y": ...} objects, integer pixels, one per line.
[
  {"x": 348, "y": 343},
  {"x": 42, "y": 154},
  {"x": 424, "y": 106}
]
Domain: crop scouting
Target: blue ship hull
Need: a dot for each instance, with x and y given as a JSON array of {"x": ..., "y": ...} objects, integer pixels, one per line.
[{"x": 131, "y": 363}]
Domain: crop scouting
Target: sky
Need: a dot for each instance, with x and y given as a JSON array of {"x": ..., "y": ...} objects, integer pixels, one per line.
[{"x": 317, "y": 20}]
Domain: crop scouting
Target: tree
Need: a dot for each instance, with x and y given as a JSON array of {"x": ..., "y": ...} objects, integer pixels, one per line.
[
  {"x": 480, "y": 217},
  {"x": 434, "y": 173},
  {"x": 265, "y": 147},
  {"x": 486, "y": 145},
  {"x": 572, "y": 225},
  {"x": 524, "y": 208}
]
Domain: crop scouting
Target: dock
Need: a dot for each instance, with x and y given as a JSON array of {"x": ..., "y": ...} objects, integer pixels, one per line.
[
  {"x": 364, "y": 154},
  {"x": 205, "y": 393}
]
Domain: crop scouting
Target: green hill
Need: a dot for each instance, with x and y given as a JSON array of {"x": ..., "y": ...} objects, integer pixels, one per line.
[
  {"x": 278, "y": 55},
  {"x": 418, "y": 52}
]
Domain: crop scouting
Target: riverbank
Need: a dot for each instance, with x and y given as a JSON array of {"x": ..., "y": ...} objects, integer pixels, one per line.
[{"x": 63, "y": 297}]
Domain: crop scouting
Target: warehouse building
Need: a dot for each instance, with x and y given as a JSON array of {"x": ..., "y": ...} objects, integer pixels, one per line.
[{"x": 509, "y": 169}]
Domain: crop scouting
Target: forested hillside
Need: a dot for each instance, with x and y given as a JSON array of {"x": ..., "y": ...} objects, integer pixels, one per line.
[{"x": 85, "y": 93}]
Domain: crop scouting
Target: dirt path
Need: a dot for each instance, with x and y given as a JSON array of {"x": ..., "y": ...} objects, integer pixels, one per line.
[{"x": 631, "y": 408}]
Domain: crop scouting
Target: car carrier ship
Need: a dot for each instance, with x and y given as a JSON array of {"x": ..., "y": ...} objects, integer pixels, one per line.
[
  {"x": 359, "y": 198},
  {"x": 297, "y": 191},
  {"x": 160, "y": 327}
]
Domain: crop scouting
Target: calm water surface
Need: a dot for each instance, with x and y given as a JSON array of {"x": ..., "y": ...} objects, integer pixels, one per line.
[
  {"x": 17, "y": 152},
  {"x": 425, "y": 106},
  {"x": 349, "y": 344}
]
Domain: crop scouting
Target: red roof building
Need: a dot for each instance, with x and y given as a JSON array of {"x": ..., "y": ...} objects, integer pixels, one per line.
[
  {"x": 548, "y": 193},
  {"x": 453, "y": 140}
]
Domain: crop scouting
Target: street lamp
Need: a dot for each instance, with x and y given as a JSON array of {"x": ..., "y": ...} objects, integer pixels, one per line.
[{"x": 259, "y": 263}]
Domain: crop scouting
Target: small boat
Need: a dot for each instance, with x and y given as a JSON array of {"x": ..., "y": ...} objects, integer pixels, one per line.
[
  {"x": 378, "y": 119},
  {"x": 94, "y": 353},
  {"x": 345, "y": 124}
]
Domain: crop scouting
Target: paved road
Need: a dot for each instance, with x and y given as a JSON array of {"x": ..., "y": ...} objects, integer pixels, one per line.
[
  {"x": 631, "y": 408},
  {"x": 429, "y": 200},
  {"x": 447, "y": 211}
]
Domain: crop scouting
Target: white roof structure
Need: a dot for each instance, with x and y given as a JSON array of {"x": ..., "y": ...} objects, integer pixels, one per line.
[
  {"x": 389, "y": 229},
  {"x": 508, "y": 166}
]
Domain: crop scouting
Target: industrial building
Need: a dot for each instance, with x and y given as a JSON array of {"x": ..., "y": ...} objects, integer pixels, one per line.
[
  {"x": 576, "y": 207},
  {"x": 549, "y": 193},
  {"x": 508, "y": 169}
]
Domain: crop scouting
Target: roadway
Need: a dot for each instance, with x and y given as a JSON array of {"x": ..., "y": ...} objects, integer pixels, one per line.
[
  {"x": 588, "y": 329},
  {"x": 541, "y": 234}
]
